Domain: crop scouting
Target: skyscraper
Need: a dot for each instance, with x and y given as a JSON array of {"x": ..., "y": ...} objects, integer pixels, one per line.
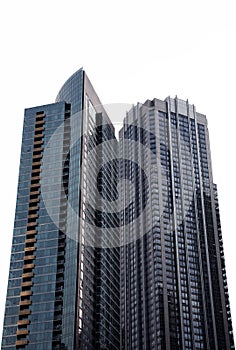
[
  {"x": 63, "y": 290},
  {"x": 117, "y": 243},
  {"x": 173, "y": 280}
]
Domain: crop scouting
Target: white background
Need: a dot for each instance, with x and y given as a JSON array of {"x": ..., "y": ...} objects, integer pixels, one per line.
[{"x": 131, "y": 51}]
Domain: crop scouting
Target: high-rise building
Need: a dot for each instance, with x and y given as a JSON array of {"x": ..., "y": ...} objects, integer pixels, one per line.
[
  {"x": 63, "y": 290},
  {"x": 117, "y": 243},
  {"x": 173, "y": 281}
]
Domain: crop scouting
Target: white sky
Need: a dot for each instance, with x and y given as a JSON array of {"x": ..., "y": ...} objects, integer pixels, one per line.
[{"x": 131, "y": 51}]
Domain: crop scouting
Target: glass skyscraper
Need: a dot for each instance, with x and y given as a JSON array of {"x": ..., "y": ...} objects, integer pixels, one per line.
[
  {"x": 63, "y": 290},
  {"x": 117, "y": 242}
]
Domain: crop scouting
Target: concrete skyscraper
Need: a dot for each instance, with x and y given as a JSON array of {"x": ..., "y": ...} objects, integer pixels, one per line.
[
  {"x": 117, "y": 242},
  {"x": 173, "y": 280}
]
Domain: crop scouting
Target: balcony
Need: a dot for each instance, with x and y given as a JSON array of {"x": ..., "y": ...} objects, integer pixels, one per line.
[
  {"x": 39, "y": 122},
  {"x": 31, "y": 232},
  {"x": 57, "y": 328},
  {"x": 60, "y": 271},
  {"x": 25, "y": 302},
  {"x": 58, "y": 318},
  {"x": 40, "y": 115},
  {"x": 27, "y": 284},
  {"x": 39, "y": 127},
  {"x": 24, "y": 312},
  {"x": 34, "y": 193},
  {"x": 34, "y": 200},
  {"x": 35, "y": 208},
  {"x": 33, "y": 172},
  {"x": 22, "y": 342},
  {"x": 33, "y": 216},
  {"x": 22, "y": 332},
  {"x": 38, "y": 142},
  {"x": 61, "y": 262},
  {"x": 36, "y": 136},
  {"x": 29, "y": 249},
  {"x": 29, "y": 257},
  {"x": 58, "y": 308},
  {"x": 27, "y": 275},
  {"x": 28, "y": 266},
  {"x": 30, "y": 240},
  {"x": 26, "y": 293},
  {"x": 23, "y": 322},
  {"x": 37, "y": 157},
  {"x": 30, "y": 224}
]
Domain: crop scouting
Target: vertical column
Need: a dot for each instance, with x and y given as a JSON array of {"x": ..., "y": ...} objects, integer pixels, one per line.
[
  {"x": 165, "y": 312},
  {"x": 205, "y": 249},
  {"x": 183, "y": 239},
  {"x": 175, "y": 225}
]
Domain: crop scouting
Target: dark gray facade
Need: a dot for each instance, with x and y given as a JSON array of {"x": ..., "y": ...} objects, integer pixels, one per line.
[{"x": 173, "y": 284}]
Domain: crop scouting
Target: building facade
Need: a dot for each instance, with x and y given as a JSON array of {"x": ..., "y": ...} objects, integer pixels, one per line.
[
  {"x": 173, "y": 282},
  {"x": 63, "y": 290},
  {"x": 117, "y": 242}
]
